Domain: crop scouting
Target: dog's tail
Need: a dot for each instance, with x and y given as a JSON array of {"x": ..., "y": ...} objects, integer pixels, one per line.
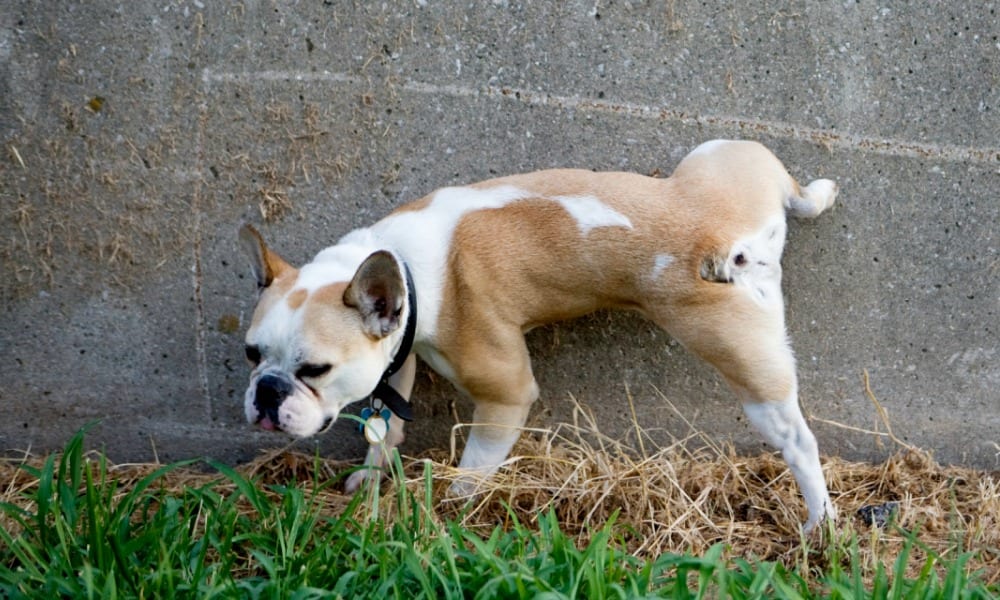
[{"x": 811, "y": 200}]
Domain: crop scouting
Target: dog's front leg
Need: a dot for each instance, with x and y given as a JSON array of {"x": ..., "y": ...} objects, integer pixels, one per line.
[
  {"x": 379, "y": 454},
  {"x": 491, "y": 437},
  {"x": 503, "y": 400}
]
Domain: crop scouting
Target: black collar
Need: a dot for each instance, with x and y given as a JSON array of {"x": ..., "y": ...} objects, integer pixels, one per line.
[{"x": 392, "y": 399}]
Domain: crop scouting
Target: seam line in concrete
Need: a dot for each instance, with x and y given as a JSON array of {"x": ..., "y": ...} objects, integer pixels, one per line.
[
  {"x": 196, "y": 268},
  {"x": 827, "y": 138},
  {"x": 208, "y": 76}
]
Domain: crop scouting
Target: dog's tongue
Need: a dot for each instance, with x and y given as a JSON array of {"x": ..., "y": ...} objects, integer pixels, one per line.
[{"x": 267, "y": 423}]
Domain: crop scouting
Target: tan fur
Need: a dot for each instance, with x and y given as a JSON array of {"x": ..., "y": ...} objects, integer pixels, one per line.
[
  {"x": 695, "y": 213},
  {"x": 338, "y": 331},
  {"x": 296, "y": 298},
  {"x": 280, "y": 286}
]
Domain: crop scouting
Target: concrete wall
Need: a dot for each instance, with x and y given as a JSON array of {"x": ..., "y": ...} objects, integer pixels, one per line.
[{"x": 137, "y": 136}]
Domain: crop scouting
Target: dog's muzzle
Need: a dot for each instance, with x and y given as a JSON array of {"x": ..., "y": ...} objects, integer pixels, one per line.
[{"x": 270, "y": 393}]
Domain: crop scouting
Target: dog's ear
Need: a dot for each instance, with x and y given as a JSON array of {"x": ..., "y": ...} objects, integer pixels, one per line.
[
  {"x": 377, "y": 291},
  {"x": 265, "y": 264}
]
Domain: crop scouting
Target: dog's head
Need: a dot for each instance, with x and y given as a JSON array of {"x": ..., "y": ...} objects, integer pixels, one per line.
[{"x": 321, "y": 335}]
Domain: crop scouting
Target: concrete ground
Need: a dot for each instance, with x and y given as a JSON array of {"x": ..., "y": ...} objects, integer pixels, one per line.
[{"x": 136, "y": 137}]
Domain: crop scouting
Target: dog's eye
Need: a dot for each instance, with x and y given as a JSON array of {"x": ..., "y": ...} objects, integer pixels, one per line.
[
  {"x": 312, "y": 371},
  {"x": 253, "y": 354}
]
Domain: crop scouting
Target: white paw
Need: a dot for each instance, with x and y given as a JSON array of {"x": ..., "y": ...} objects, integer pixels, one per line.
[
  {"x": 358, "y": 478},
  {"x": 829, "y": 514},
  {"x": 466, "y": 485}
]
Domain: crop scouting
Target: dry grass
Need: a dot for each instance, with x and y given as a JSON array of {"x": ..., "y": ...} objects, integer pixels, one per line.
[
  {"x": 671, "y": 499},
  {"x": 675, "y": 499}
]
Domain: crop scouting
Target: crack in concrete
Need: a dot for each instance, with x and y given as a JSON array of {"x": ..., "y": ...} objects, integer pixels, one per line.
[{"x": 823, "y": 137}]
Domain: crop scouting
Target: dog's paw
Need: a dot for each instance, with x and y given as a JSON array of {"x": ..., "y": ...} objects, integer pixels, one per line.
[
  {"x": 829, "y": 514},
  {"x": 359, "y": 478},
  {"x": 466, "y": 485}
]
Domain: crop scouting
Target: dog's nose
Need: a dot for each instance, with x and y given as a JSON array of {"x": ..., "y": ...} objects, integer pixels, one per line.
[{"x": 271, "y": 392}]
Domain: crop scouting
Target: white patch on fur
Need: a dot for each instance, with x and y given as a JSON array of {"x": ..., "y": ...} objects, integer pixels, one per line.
[
  {"x": 660, "y": 264},
  {"x": 275, "y": 331},
  {"x": 485, "y": 455},
  {"x": 754, "y": 263},
  {"x": 783, "y": 426},
  {"x": 590, "y": 213},
  {"x": 334, "y": 264},
  {"x": 708, "y": 147}
]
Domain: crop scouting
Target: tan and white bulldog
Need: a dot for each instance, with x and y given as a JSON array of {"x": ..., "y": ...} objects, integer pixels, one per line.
[{"x": 460, "y": 275}]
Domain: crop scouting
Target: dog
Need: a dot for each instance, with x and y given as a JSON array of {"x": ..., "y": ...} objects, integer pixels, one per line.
[{"x": 460, "y": 275}]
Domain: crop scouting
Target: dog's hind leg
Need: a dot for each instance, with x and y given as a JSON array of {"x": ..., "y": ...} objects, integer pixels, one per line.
[
  {"x": 745, "y": 340},
  {"x": 783, "y": 426}
]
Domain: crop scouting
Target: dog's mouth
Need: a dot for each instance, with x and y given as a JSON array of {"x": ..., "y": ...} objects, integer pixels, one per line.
[
  {"x": 267, "y": 416},
  {"x": 271, "y": 392},
  {"x": 267, "y": 424},
  {"x": 277, "y": 402}
]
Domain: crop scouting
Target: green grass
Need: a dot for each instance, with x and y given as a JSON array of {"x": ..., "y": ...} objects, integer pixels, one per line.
[{"x": 78, "y": 534}]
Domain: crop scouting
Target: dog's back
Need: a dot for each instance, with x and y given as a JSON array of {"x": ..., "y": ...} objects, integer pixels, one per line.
[{"x": 565, "y": 242}]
